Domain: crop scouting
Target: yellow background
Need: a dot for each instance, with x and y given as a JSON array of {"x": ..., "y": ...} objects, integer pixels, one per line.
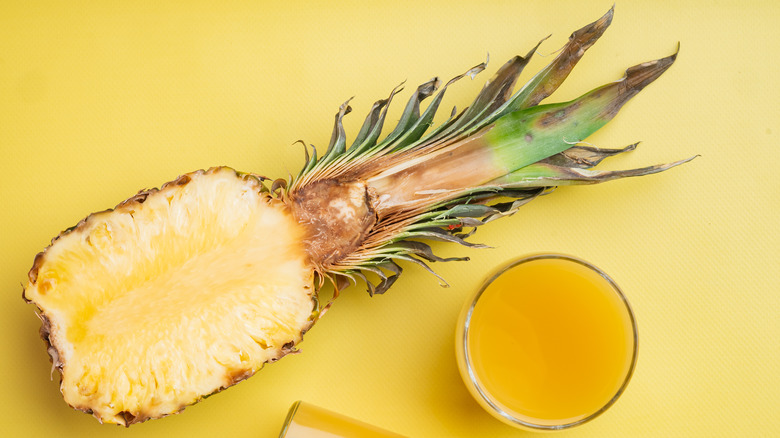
[{"x": 101, "y": 99}]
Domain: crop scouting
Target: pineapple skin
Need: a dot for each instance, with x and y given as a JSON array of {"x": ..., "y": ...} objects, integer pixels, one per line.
[{"x": 104, "y": 398}]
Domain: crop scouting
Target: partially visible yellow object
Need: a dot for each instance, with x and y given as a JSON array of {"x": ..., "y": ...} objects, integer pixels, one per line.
[
  {"x": 549, "y": 342},
  {"x": 309, "y": 421}
]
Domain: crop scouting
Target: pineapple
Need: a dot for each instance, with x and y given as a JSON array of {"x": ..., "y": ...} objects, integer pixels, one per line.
[{"x": 183, "y": 291}]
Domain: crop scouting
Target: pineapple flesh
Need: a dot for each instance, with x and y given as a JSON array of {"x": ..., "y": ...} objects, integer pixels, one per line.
[
  {"x": 181, "y": 292},
  {"x": 173, "y": 295}
]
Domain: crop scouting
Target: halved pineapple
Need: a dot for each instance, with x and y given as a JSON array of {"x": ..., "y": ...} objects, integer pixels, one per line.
[
  {"x": 183, "y": 291},
  {"x": 175, "y": 294}
]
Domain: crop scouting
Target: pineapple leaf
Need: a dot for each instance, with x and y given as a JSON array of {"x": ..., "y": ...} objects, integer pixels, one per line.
[
  {"x": 338, "y": 140},
  {"x": 419, "y": 262},
  {"x": 493, "y": 95},
  {"x": 422, "y": 250},
  {"x": 387, "y": 281},
  {"x": 551, "y": 77},
  {"x": 411, "y": 137},
  {"x": 411, "y": 113},
  {"x": 545, "y": 174},
  {"x": 372, "y": 120},
  {"x": 376, "y": 129},
  {"x": 468, "y": 210},
  {"x": 527, "y": 136},
  {"x": 438, "y": 234},
  {"x": 584, "y": 156}
]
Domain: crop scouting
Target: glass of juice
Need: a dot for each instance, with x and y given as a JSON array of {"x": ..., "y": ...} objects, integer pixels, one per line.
[
  {"x": 547, "y": 343},
  {"x": 305, "y": 420}
]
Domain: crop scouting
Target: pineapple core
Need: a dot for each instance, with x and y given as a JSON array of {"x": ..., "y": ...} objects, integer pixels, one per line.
[{"x": 171, "y": 297}]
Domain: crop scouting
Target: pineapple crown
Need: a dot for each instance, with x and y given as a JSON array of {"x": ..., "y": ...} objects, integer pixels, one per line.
[{"x": 530, "y": 149}]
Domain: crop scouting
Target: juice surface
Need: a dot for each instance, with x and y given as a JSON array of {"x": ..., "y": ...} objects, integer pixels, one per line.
[{"x": 550, "y": 341}]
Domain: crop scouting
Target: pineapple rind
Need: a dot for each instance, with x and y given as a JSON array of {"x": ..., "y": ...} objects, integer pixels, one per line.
[{"x": 172, "y": 296}]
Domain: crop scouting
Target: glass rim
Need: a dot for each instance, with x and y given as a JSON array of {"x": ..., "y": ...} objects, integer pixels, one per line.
[
  {"x": 288, "y": 419},
  {"x": 512, "y": 419}
]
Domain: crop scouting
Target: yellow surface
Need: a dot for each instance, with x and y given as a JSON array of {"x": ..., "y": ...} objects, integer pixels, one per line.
[{"x": 101, "y": 99}]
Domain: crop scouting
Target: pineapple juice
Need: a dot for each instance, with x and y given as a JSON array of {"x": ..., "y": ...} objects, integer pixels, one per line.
[
  {"x": 548, "y": 343},
  {"x": 305, "y": 420}
]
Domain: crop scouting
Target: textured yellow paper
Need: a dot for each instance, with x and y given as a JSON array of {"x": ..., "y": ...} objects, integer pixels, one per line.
[{"x": 101, "y": 99}]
